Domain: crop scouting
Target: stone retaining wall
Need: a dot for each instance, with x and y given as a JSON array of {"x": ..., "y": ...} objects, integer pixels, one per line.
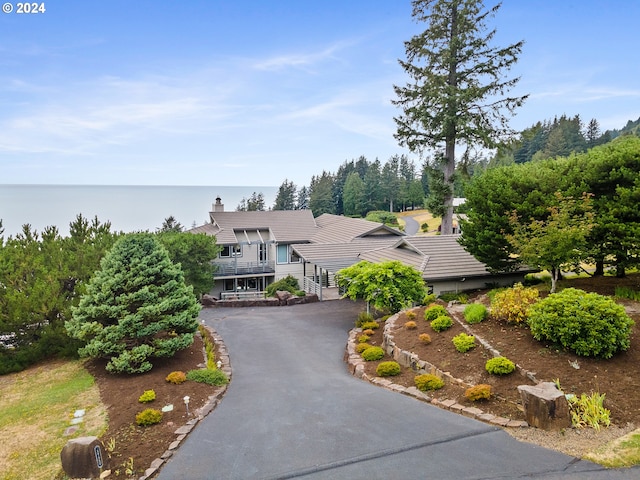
[{"x": 420, "y": 366}]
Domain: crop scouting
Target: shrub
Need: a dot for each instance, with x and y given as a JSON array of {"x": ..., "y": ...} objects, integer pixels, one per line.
[
  {"x": 499, "y": 366},
  {"x": 388, "y": 369},
  {"x": 425, "y": 338},
  {"x": 373, "y": 353},
  {"x": 589, "y": 324},
  {"x": 176, "y": 377},
  {"x": 149, "y": 416},
  {"x": 427, "y": 381},
  {"x": 441, "y": 323},
  {"x": 429, "y": 298},
  {"x": 368, "y": 331},
  {"x": 363, "y": 338},
  {"x": 512, "y": 304},
  {"x": 364, "y": 317},
  {"x": 361, "y": 347},
  {"x": 373, "y": 325},
  {"x": 458, "y": 297},
  {"x": 210, "y": 377},
  {"x": 147, "y": 396},
  {"x": 411, "y": 325},
  {"x": 434, "y": 311},
  {"x": 478, "y": 392},
  {"x": 411, "y": 315},
  {"x": 289, "y": 284},
  {"x": 475, "y": 313},
  {"x": 464, "y": 342}
]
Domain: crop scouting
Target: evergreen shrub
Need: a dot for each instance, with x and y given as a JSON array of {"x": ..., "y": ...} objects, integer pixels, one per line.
[
  {"x": 475, "y": 313},
  {"x": 176, "y": 377},
  {"x": 289, "y": 284},
  {"x": 361, "y": 347},
  {"x": 411, "y": 325},
  {"x": 363, "y": 338},
  {"x": 147, "y": 396},
  {"x": 441, "y": 323},
  {"x": 373, "y": 353},
  {"x": 434, "y": 311},
  {"x": 481, "y": 391},
  {"x": 500, "y": 366},
  {"x": 428, "y": 381},
  {"x": 388, "y": 369},
  {"x": 364, "y": 317},
  {"x": 147, "y": 417},
  {"x": 464, "y": 342},
  {"x": 373, "y": 325},
  {"x": 425, "y": 338},
  {"x": 589, "y": 324}
]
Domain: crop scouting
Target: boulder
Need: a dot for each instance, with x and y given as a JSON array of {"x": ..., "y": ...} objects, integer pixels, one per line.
[
  {"x": 208, "y": 300},
  {"x": 545, "y": 406},
  {"x": 84, "y": 457}
]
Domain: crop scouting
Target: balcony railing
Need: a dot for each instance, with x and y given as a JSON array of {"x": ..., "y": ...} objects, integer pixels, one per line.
[{"x": 243, "y": 268}]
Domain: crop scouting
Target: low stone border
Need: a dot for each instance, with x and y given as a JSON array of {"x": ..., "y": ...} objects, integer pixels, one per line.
[
  {"x": 199, "y": 414},
  {"x": 410, "y": 359}
]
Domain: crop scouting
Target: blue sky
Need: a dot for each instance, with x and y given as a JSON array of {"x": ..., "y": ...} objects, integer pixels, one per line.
[{"x": 248, "y": 92}]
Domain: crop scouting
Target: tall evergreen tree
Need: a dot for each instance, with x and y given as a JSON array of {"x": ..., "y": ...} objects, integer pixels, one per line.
[
  {"x": 373, "y": 188},
  {"x": 137, "y": 307},
  {"x": 302, "y": 200},
  {"x": 353, "y": 196},
  {"x": 456, "y": 84},
  {"x": 286, "y": 197},
  {"x": 321, "y": 195}
]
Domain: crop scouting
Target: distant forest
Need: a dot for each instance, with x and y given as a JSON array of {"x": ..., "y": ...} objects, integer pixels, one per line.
[{"x": 361, "y": 186}]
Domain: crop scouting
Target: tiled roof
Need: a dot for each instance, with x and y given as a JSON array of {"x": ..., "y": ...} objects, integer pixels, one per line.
[
  {"x": 285, "y": 226},
  {"x": 339, "y": 229},
  {"x": 446, "y": 258}
]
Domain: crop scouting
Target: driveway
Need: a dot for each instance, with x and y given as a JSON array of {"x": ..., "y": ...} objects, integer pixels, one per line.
[{"x": 292, "y": 410}]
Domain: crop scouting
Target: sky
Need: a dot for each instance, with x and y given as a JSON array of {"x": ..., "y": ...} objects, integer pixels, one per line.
[{"x": 253, "y": 92}]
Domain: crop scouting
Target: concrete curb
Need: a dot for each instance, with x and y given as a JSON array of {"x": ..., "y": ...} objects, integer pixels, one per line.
[
  {"x": 199, "y": 414},
  {"x": 410, "y": 359}
]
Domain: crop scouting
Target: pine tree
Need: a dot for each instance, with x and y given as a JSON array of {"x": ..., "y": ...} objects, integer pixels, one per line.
[
  {"x": 456, "y": 85},
  {"x": 137, "y": 307},
  {"x": 286, "y": 198}
]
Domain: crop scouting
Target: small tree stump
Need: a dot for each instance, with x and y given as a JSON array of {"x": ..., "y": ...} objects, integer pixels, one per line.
[
  {"x": 84, "y": 457},
  {"x": 545, "y": 406}
]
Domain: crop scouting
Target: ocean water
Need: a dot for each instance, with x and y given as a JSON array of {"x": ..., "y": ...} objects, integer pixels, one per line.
[{"x": 128, "y": 208}]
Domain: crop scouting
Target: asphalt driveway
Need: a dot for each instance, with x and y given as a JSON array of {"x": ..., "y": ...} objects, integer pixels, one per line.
[{"x": 294, "y": 411}]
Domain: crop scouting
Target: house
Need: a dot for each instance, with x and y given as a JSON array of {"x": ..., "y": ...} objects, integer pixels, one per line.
[{"x": 259, "y": 248}]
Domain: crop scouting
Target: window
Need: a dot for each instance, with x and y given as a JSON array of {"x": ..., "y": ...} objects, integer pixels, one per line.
[
  {"x": 231, "y": 251},
  {"x": 229, "y": 285},
  {"x": 285, "y": 254}
]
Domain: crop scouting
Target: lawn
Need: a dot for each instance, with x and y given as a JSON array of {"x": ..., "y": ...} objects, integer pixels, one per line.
[{"x": 37, "y": 407}]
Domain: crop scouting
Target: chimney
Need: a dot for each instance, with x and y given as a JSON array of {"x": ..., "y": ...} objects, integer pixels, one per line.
[{"x": 218, "y": 206}]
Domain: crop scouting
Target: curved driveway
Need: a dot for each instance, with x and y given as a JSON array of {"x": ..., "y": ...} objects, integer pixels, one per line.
[{"x": 292, "y": 410}]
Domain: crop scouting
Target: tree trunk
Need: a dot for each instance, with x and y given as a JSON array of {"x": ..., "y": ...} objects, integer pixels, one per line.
[{"x": 599, "y": 271}]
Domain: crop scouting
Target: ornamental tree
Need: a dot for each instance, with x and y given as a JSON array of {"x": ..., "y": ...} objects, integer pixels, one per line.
[
  {"x": 557, "y": 242},
  {"x": 137, "y": 307},
  {"x": 389, "y": 285}
]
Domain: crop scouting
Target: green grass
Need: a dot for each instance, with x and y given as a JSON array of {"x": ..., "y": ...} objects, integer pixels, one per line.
[
  {"x": 622, "y": 452},
  {"x": 37, "y": 406}
]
